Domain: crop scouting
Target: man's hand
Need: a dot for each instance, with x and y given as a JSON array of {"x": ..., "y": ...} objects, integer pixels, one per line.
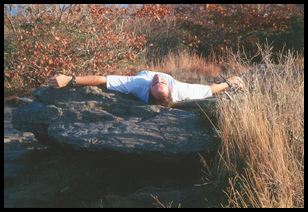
[
  {"x": 237, "y": 82},
  {"x": 60, "y": 81}
]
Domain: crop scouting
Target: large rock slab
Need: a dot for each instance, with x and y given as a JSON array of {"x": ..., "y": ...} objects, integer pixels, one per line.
[{"x": 95, "y": 119}]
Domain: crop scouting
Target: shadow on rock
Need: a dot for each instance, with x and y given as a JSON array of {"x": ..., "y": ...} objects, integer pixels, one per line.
[{"x": 52, "y": 177}]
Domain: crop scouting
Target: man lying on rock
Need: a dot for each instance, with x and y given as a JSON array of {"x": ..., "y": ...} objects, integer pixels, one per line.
[{"x": 150, "y": 87}]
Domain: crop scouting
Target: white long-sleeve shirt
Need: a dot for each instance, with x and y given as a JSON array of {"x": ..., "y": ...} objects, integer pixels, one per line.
[{"x": 139, "y": 85}]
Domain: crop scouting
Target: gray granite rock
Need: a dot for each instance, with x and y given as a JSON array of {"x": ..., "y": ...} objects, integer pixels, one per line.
[{"x": 92, "y": 118}]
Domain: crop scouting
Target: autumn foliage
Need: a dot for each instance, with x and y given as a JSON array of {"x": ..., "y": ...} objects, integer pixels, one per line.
[
  {"x": 42, "y": 40},
  {"x": 211, "y": 28},
  {"x": 80, "y": 39}
]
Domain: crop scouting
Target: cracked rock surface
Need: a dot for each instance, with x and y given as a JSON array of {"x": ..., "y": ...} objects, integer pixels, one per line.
[{"x": 96, "y": 119}]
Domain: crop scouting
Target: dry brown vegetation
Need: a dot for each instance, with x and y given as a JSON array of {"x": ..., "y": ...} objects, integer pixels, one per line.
[
  {"x": 188, "y": 66},
  {"x": 262, "y": 129},
  {"x": 262, "y": 133},
  {"x": 44, "y": 39}
]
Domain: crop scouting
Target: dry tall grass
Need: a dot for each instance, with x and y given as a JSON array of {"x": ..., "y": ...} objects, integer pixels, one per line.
[
  {"x": 188, "y": 67},
  {"x": 262, "y": 133},
  {"x": 262, "y": 129}
]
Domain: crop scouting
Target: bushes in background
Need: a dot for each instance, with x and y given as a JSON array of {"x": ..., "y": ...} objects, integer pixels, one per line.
[{"x": 42, "y": 40}]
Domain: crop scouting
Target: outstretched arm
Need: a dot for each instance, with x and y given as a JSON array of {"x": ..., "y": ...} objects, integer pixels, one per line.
[
  {"x": 60, "y": 81},
  {"x": 217, "y": 88}
]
